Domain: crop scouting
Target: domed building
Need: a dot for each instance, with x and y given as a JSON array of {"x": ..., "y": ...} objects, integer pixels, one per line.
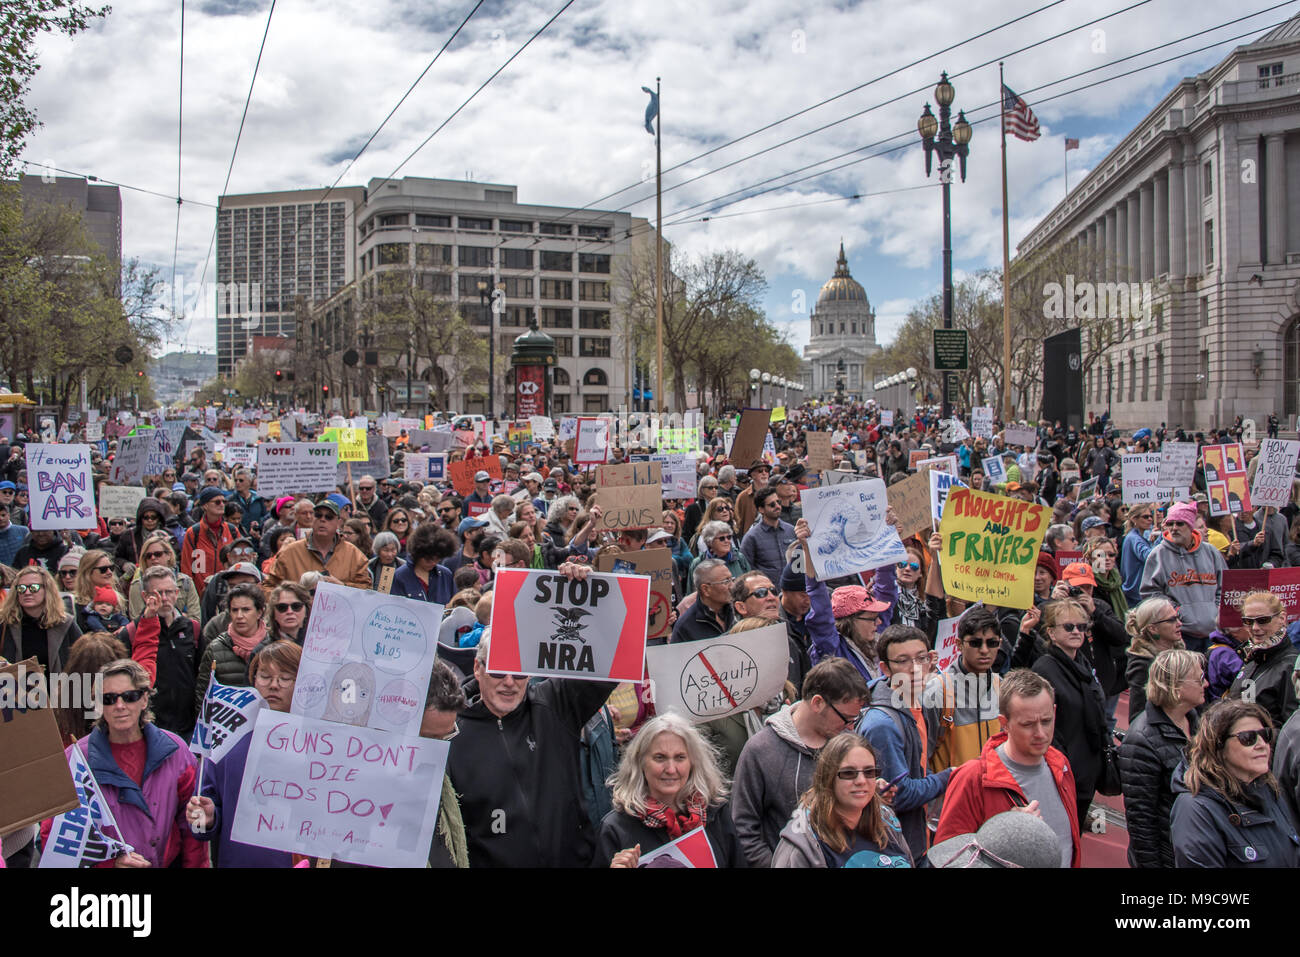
[{"x": 843, "y": 327}]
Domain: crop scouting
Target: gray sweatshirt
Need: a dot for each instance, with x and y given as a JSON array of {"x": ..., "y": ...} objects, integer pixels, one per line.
[
  {"x": 1192, "y": 578},
  {"x": 774, "y": 769}
]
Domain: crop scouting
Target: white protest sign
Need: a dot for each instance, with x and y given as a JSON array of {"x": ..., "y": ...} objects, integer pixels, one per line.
[
  {"x": 942, "y": 463},
  {"x": 546, "y": 624},
  {"x": 887, "y": 418},
  {"x": 710, "y": 679},
  {"x": 425, "y": 466},
  {"x": 119, "y": 501},
  {"x": 678, "y": 474},
  {"x": 62, "y": 490},
  {"x": 288, "y": 427},
  {"x": 1178, "y": 464},
  {"x": 543, "y": 427},
  {"x": 592, "y": 446},
  {"x": 1020, "y": 435},
  {"x": 954, "y": 430},
  {"x": 568, "y": 428},
  {"x": 981, "y": 422},
  {"x": 940, "y": 483},
  {"x": 245, "y": 455},
  {"x": 1139, "y": 479},
  {"x": 294, "y": 468},
  {"x": 389, "y": 429},
  {"x": 849, "y": 533},
  {"x": 995, "y": 470},
  {"x": 94, "y": 431},
  {"x": 1274, "y": 473},
  {"x": 945, "y": 643},
  {"x": 366, "y": 659},
  {"x": 327, "y": 790},
  {"x": 244, "y": 434},
  {"x": 136, "y": 454}
]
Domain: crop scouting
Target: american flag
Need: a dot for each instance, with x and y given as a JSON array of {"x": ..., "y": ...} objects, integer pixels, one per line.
[
  {"x": 1071, "y": 144},
  {"x": 1017, "y": 118}
]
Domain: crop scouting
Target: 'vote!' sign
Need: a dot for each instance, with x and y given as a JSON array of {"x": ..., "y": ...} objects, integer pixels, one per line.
[{"x": 546, "y": 624}]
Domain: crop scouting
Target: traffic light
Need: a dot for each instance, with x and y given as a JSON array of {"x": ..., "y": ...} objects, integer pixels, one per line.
[
  {"x": 325, "y": 389},
  {"x": 140, "y": 374},
  {"x": 279, "y": 375}
]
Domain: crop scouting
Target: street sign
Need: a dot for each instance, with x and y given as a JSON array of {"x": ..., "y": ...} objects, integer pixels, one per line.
[
  {"x": 954, "y": 391},
  {"x": 951, "y": 350},
  {"x": 419, "y": 390}
]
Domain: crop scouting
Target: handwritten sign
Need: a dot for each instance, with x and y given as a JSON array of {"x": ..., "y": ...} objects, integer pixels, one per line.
[
  {"x": 543, "y": 427},
  {"x": 678, "y": 474},
  {"x": 244, "y": 434},
  {"x": 838, "y": 476},
  {"x": 1275, "y": 473},
  {"x": 119, "y": 501},
  {"x": 366, "y": 659},
  {"x": 592, "y": 446},
  {"x": 351, "y": 443},
  {"x": 1238, "y": 583},
  {"x": 245, "y": 455},
  {"x": 295, "y": 468},
  {"x": 748, "y": 444},
  {"x": 819, "y": 451},
  {"x": 630, "y": 506},
  {"x": 990, "y": 547},
  {"x": 376, "y": 464},
  {"x": 943, "y": 463},
  {"x": 710, "y": 679},
  {"x": 910, "y": 500},
  {"x": 462, "y": 473},
  {"x": 62, "y": 490},
  {"x": 1019, "y": 435},
  {"x": 945, "y": 642},
  {"x": 981, "y": 422},
  {"x": 354, "y": 794},
  {"x": 145, "y": 453},
  {"x": 629, "y": 473},
  {"x": 849, "y": 533},
  {"x": 656, "y": 563},
  {"x": 940, "y": 483},
  {"x": 1140, "y": 479},
  {"x": 549, "y": 625},
  {"x": 1177, "y": 464},
  {"x": 568, "y": 428}
]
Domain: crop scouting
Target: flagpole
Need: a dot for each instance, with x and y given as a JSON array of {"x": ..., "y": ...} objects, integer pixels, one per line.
[
  {"x": 659, "y": 251},
  {"x": 1066, "y": 156},
  {"x": 1006, "y": 262}
]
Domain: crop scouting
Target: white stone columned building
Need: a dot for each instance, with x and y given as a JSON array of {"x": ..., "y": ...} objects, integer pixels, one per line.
[{"x": 842, "y": 326}]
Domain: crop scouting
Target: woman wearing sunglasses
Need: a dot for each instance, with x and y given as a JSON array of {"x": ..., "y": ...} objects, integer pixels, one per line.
[
  {"x": 718, "y": 540},
  {"x": 34, "y": 621},
  {"x": 720, "y": 509},
  {"x": 145, "y": 773},
  {"x": 94, "y": 571},
  {"x": 1081, "y": 732},
  {"x": 841, "y": 820},
  {"x": 272, "y": 672},
  {"x": 290, "y": 609},
  {"x": 1227, "y": 812},
  {"x": 1268, "y": 657},
  {"x": 398, "y": 521}
]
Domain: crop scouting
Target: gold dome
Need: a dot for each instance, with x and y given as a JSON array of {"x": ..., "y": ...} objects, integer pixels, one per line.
[{"x": 842, "y": 287}]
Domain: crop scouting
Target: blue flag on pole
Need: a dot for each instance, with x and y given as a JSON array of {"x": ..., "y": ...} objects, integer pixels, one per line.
[
  {"x": 227, "y": 714},
  {"x": 651, "y": 110},
  {"x": 87, "y": 834}
]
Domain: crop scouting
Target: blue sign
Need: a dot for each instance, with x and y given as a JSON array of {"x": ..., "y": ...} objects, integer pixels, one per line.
[{"x": 437, "y": 468}]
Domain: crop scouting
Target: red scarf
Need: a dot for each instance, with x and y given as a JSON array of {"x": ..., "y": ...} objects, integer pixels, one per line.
[{"x": 675, "y": 822}]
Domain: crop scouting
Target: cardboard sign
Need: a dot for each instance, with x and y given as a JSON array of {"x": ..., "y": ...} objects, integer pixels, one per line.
[
  {"x": 1019, "y": 435},
  {"x": 1177, "y": 464},
  {"x": 981, "y": 422},
  {"x": 629, "y": 473},
  {"x": 990, "y": 547},
  {"x": 546, "y": 624},
  {"x": 35, "y": 783},
  {"x": 425, "y": 466},
  {"x": 838, "y": 476},
  {"x": 819, "y": 451},
  {"x": 886, "y": 418},
  {"x": 995, "y": 469},
  {"x": 327, "y": 790},
  {"x": 748, "y": 444},
  {"x": 658, "y": 564},
  {"x": 849, "y": 533},
  {"x": 119, "y": 501},
  {"x": 61, "y": 487},
  {"x": 592, "y": 442},
  {"x": 1275, "y": 473},
  {"x": 710, "y": 679},
  {"x": 295, "y": 468},
  {"x": 366, "y": 659},
  {"x": 1225, "y": 478},
  {"x": 630, "y": 506},
  {"x": 462, "y": 472},
  {"x": 1237, "y": 584},
  {"x": 940, "y": 484},
  {"x": 910, "y": 500}
]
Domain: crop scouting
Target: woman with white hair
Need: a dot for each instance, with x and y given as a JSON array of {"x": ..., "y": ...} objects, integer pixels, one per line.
[
  {"x": 717, "y": 540},
  {"x": 667, "y": 785}
]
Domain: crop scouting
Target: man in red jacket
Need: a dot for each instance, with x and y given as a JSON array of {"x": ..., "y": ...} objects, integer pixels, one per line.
[
  {"x": 1017, "y": 769},
  {"x": 201, "y": 545}
]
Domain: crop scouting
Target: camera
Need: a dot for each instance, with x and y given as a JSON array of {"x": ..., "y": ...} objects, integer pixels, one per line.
[{"x": 1075, "y": 591}]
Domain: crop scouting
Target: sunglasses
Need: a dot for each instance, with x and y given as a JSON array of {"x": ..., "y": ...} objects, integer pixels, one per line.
[
  {"x": 31, "y": 589},
  {"x": 1249, "y": 622},
  {"x": 1071, "y": 626},
  {"x": 852, "y": 774},
  {"x": 149, "y": 555},
  {"x": 912, "y": 566},
  {"x": 1248, "y": 738},
  {"x": 400, "y": 521},
  {"x": 324, "y": 514},
  {"x": 762, "y": 592},
  {"x": 130, "y": 697},
  {"x": 103, "y": 568},
  {"x": 722, "y": 508},
  {"x": 989, "y": 643},
  {"x": 290, "y": 606}
]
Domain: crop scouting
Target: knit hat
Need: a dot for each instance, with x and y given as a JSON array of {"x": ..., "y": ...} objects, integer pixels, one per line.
[
  {"x": 281, "y": 502},
  {"x": 106, "y": 595},
  {"x": 207, "y": 495},
  {"x": 72, "y": 559},
  {"x": 852, "y": 599},
  {"x": 1048, "y": 560},
  {"x": 1011, "y": 838},
  {"x": 792, "y": 580},
  {"x": 1184, "y": 512}
]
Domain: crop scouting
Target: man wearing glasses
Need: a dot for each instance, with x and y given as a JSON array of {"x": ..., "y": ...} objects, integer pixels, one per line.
[
  {"x": 711, "y": 614},
  {"x": 449, "y": 512},
  {"x": 766, "y": 542},
  {"x": 964, "y": 697},
  {"x": 324, "y": 551},
  {"x": 375, "y": 506}
]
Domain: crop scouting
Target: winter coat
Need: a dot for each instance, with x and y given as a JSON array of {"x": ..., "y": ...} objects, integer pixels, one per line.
[
  {"x": 201, "y": 550},
  {"x": 231, "y": 668},
  {"x": 981, "y": 788},
  {"x": 49, "y": 646},
  {"x": 825, "y": 641},
  {"x": 800, "y": 847},
  {"x": 774, "y": 769},
  {"x": 347, "y": 563},
  {"x": 1133, "y": 556},
  {"x": 406, "y": 584},
  {"x": 1081, "y": 728},
  {"x": 187, "y": 602},
  {"x": 519, "y": 778},
  {"x": 171, "y": 656},
  {"x": 1222, "y": 664},
  {"x": 964, "y": 718},
  {"x": 1193, "y": 578},
  {"x": 1209, "y": 830},
  {"x": 1136, "y": 674},
  {"x": 1268, "y": 674},
  {"x": 128, "y": 544},
  {"x": 620, "y": 831},
  {"x": 1152, "y": 750},
  {"x": 1286, "y": 765},
  {"x": 1106, "y": 646}
]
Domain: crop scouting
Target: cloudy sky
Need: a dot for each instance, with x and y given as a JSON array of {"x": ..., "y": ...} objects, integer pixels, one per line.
[{"x": 563, "y": 121}]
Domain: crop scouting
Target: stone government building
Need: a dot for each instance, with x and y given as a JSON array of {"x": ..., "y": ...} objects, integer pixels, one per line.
[
  {"x": 1201, "y": 200},
  {"x": 842, "y": 326}
]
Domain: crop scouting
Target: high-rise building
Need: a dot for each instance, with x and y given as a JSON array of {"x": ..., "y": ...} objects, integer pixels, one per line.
[
  {"x": 273, "y": 248},
  {"x": 100, "y": 206}
]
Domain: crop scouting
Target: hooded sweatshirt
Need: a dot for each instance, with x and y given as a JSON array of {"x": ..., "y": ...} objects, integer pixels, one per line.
[
  {"x": 774, "y": 769},
  {"x": 1192, "y": 577}
]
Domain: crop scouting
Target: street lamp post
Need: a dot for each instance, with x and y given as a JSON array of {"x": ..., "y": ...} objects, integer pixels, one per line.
[
  {"x": 492, "y": 347},
  {"x": 755, "y": 383},
  {"x": 839, "y": 381},
  {"x": 948, "y": 141}
]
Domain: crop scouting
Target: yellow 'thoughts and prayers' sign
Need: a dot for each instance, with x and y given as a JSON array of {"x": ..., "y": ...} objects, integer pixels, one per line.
[{"x": 990, "y": 547}]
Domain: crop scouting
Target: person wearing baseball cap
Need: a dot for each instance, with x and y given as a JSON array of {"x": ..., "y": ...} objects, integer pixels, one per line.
[
  {"x": 856, "y": 614},
  {"x": 482, "y": 493},
  {"x": 1185, "y": 569},
  {"x": 324, "y": 551},
  {"x": 746, "y": 508}
]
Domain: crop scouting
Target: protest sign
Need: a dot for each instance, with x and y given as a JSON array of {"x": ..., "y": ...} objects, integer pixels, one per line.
[
  {"x": 629, "y": 473},
  {"x": 418, "y": 439},
  {"x": 946, "y": 644},
  {"x": 245, "y": 455},
  {"x": 592, "y": 442},
  {"x": 1274, "y": 473},
  {"x": 710, "y": 679},
  {"x": 366, "y": 659},
  {"x": 425, "y": 466},
  {"x": 995, "y": 470},
  {"x": 326, "y": 790},
  {"x": 289, "y": 427},
  {"x": 1177, "y": 465},
  {"x": 940, "y": 484},
  {"x": 1238, "y": 583},
  {"x": 942, "y": 463},
  {"x": 273, "y": 430},
  {"x": 34, "y": 781},
  {"x": 849, "y": 533},
  {"x": 295, "y": 468},
  {"x": 954, "y": 431},
  {"x": 62, "y": 490},
  {"x": 376, "y": 464},
  {"x": 519, "y": 434},
  {"x": 1019, "y": 435},
  {"x": 390, "y": 429},
  {"x": 887, "y": 418},
  {"x": 1067, "y": 556},
  {"x": 819, "y": 451},
  {"x": 678, "y": 474},
  {"x": 778, "y": 414},
  {"x": 174, "y": 429},
  {"x": 679, "y": 440},
  {"x": 119, "y": 501},
  {"x": 543, "y": 427},
  {"x": 692, "y": 849},
  {"x": 351, "y": 443},
  {"x": 225, "y": 718},
  {"x": 132, "y": 460},
  {"x": 546, "y": 624},
  {"x": 87, "y": 834},
  {"x": 838, "y": 476},
  {"x": 244, "y": 434},
  {"x": 1225, "y": 474},
  {"x": 658, "y": 564},
  {"x": 568, "y": 428},
  {"x": 94, "y": 431},
  {"x": 462, "y": 472},
  {"x": 630, "y": 506},
  {"x": 910, "y": 500},
  {"x": 990, "y": 547},
  {"x": 1087, "y": 489},
  {"x": 981, "y": 422},
  {"x": 1139, "y": 479},
  {"x": 748, "y": 444}
]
